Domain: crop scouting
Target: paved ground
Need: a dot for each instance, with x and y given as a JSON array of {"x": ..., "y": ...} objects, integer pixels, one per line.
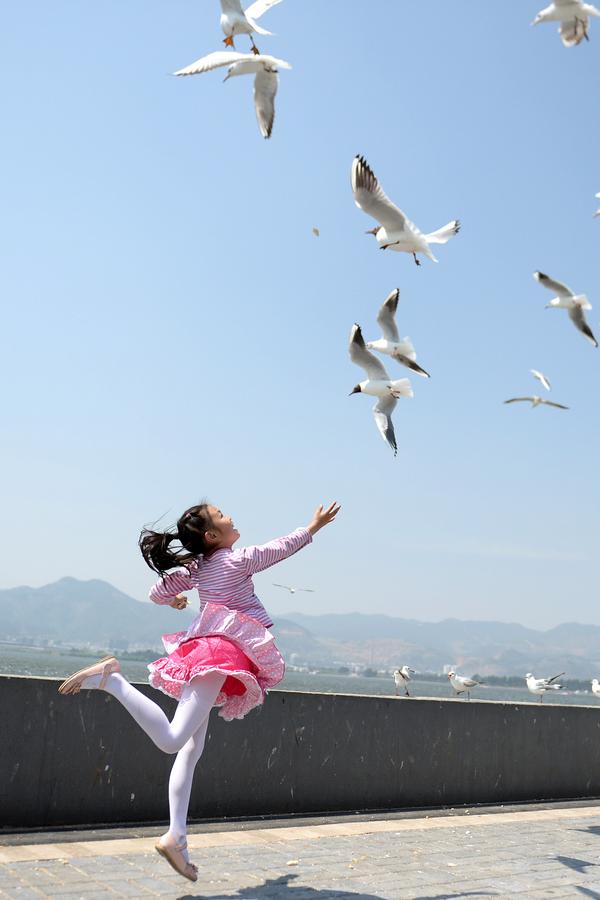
[{"x": 529, "y": 853}]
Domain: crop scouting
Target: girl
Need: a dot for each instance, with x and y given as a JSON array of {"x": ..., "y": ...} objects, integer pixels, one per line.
[{"x": 226, "y": 657}]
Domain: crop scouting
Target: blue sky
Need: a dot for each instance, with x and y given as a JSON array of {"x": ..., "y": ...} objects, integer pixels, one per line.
[{"x": 173, "y": 330}]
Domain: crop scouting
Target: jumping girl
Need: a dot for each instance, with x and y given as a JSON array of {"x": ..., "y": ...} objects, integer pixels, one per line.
[{"x": 226, "y": 658}]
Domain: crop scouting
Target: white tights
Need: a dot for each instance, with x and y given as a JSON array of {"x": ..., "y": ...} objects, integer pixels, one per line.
[{"x": 184, "y": 735}]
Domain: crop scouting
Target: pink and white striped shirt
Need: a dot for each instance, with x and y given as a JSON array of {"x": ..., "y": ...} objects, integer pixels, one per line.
[{"x": 225, "y": 576}]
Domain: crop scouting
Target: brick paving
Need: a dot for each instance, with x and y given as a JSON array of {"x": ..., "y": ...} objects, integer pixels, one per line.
[{"x": 549, "y": 853}]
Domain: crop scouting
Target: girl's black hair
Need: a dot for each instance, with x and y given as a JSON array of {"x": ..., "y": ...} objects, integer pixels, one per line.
[{"x": 190, "y": 533}]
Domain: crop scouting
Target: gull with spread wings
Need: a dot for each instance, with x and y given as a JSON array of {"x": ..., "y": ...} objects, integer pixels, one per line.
[
  {"x": 575, "y": 304},
  {"x": 390, "y": 344},
  {"x": 266, "y": 80},
  {"x": 536, "y": 401},
  {"x": 573, "y": 16},
  {"x": 235, "y": 20},
  {"x": 294, "y": 590},
  {"x": 378, "y": 384},
  {"x": 395, "y": 231}
]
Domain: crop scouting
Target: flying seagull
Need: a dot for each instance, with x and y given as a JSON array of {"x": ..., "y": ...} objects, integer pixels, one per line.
[
  {"x": 402, "y": 677},
  {"x": 316, "y": 232},
  {"x": 294, "y": 590},
  {"x": 235, "y": 20},
  {"x": 390, "y": 344},
  {"x": 536, "y": 401},
  {"x": 575, "y": 304},
  {"x": 573, "y": 16},
  {"x": 378, "y": 384},
  {"x": 395, "y": 231},
  {"x": 597, "y": 213},
  {"x": 460, "y": 684},
  {"x": 540, "y": 686},
  {"x": 541, "y": 378},
  {"x": 266, "y": 81}
]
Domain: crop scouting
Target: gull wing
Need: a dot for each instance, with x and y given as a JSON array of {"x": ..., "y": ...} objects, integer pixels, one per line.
[
  {"x": 259, "y": 8},
  {"x": 370, "y": 197},
  {"x": 359, "y": 354},
  {"x": 386, "y": 317},
  {"x": 541, "y": 377},
  {"x": 561, "y": 289},
  {"x": 554, "y": 677},
  {"x": 284, "y": 586},
  {"x": 519, "y": 399},
  {"x": 214, "y": 61},
  {"x": 265, "y": 90},
  {"x": 382, "y": 412},
  {"x": 577, "y": 317},
  {"x": 552, "y": 403},
  {"x": 232, "y": 6}
]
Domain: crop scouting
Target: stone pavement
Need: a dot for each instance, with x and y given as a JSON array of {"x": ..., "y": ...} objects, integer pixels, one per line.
[{"x": 526, "y": 853}]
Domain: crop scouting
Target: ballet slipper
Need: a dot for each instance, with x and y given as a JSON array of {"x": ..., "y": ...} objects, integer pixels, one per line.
[
  {"x": 105, "y": 667},
  {"x": 177, "y": 860}
]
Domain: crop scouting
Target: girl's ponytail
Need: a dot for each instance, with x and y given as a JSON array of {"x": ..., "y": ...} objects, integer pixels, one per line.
[
  {"x": 155, "y": 550},
  {"x": 190, "y": 534}
]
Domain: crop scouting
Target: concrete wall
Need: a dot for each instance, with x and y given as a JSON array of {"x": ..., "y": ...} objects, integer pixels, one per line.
[{"x": 82, "y": 760}]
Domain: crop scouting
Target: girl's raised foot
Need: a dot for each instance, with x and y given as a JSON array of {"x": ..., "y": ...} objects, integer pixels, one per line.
[
  {"x": 104, "y": 667},
  {"x": 173, "y": 852}
]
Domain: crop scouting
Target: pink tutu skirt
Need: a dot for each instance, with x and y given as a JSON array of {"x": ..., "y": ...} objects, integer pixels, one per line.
[{"x": 225, "y": 641}]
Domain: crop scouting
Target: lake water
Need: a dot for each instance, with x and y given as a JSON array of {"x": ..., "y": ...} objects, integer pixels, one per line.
[{"x": 53, "y": 663}]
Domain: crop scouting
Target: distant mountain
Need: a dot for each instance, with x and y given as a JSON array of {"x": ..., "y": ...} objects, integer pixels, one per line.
[{"x": 96, "y": 613}]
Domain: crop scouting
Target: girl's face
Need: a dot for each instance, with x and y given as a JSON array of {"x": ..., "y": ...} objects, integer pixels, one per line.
[{"x": 223, "y": 529}]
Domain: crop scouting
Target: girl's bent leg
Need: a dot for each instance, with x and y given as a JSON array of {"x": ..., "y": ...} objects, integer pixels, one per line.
[{"x": 196, "y": 702}]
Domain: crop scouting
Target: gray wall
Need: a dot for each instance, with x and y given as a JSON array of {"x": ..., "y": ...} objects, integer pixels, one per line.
[{"x": 82, "y": 760}]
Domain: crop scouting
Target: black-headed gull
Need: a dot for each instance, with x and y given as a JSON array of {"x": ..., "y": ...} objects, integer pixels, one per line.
[
  {"x": 595, "y": 687},
  {"x": 575, "y": 304},
  {"x": 573, "y": 16},
  {"x": 390, "y": 344},
  {"x": 264, "y": 68},
  {"x": 597, "y": 213},
  {"x": 395, "y": 232},
  {"x": 541, "y": 378},
  {"x": 460, "y": 684},
  {"x": 540, "y": 686},
  {"x": 536, "y": 401},
  {"x": 378, "y": 384},
  {"x": 235, "y": 20},
  {"x": 402, "y": 677},
  {"x": 293, "y": 590}
]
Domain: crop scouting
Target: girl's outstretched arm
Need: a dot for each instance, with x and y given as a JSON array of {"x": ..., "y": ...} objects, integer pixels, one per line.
[
  {"x": 263, "y": 556},
  {"x": 167, "y": 589}
]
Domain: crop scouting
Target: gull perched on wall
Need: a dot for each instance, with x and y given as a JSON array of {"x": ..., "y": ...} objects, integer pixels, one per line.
[
  {"x": 575, "y": 304},
  {"x": 460, "y": 684},
  {"x": 266, "y": 80},
  {"x": 402, "y": 677},
  {"x": 395, "y": 231},
  {"x": 573, "y": 16},
  {"x": 235, "y": 20},
  {"x": 595, "y": 687},
  {"x": 390, "y": 344},
  {"x": 540, "y": 686}
]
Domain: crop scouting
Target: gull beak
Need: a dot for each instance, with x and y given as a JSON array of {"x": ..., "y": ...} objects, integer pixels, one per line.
[
  {"x": 372, "y": 230},
  {"x": 355, "y": 390}
]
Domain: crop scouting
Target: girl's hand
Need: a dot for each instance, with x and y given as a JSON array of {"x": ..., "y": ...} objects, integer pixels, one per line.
[
  {"x": 179, "y": 602},
  {"x": 323, "y": 517}
]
